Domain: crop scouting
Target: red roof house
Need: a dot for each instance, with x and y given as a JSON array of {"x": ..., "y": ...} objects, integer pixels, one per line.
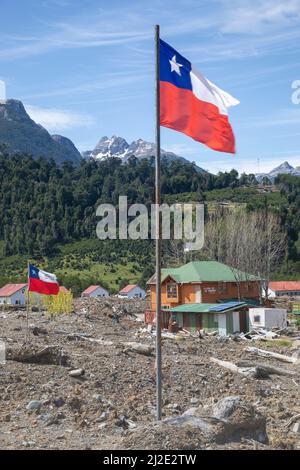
[
  {"x": 95, "y": 291},
  {"x": 132, "y": 290},
  {"x": 13, "y": 294},
  {"x": 284, "y": 288}
]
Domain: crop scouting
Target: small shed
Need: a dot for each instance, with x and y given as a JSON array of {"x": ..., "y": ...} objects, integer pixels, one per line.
[
  {"x": 95, "y": 291},
  {"x": 264, "y": 317},
  {"x": 133, "y": 291},
  {"x": 13, "y": 294},
  {"x": 226, "y": 318}
]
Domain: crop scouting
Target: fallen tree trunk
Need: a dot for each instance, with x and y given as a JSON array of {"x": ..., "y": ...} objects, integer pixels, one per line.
[
  {"x": 257, "y": 371},
  {"x": 246, "y": 371},
  {"x": 280, "y": 357},
  {"x": 269, "y": 369},
  {"x": 31, "y": 355}
]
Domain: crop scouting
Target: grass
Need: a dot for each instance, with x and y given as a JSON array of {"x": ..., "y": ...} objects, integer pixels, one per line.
[
  {"x": 85, "y": 262},
  {"x": 103, "y": 273},
  {"x": 284, "y": 343}
]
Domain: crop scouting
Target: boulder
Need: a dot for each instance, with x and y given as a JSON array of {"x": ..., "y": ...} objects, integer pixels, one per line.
[{"x": 230, "y": 419}]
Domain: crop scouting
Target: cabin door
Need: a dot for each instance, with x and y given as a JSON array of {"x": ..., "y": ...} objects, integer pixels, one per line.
[
  {"x": 243, "y": 321},
  {"x": 198, "y": 296},
  {"x": 236, "y": 322},
  {"x": 222, "y": 324}
]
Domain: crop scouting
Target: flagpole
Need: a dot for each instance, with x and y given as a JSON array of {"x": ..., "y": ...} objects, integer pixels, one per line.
[
  {"x": 27, "y": 307},
  {"x": 158, "y": 230}
]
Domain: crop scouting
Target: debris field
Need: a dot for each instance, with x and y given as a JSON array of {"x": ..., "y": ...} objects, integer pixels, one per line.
[{"x": 87, "y": 381}]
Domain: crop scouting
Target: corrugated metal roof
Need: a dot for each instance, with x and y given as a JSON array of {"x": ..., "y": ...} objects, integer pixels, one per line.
[
  {"x": 226, "y": 306},
  {"x": 284, "y": 285},
  {"x": 10, "y": 289},
  {"x": 207, "y": 308},
  {"x": 204, "y": 271},
  {"x": 248, "y": 301}
]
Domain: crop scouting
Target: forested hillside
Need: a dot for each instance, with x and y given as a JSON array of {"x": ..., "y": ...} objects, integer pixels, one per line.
[{"x": 48, "y": 213}]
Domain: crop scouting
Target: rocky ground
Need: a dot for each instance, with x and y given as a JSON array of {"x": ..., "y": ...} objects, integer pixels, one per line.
[{"x": 78, "y": 384}]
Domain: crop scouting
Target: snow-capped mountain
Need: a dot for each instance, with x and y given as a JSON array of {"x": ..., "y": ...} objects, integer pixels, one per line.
[
  {"x": 119, "y": 147},
  {"x": 284, "y": 168}
]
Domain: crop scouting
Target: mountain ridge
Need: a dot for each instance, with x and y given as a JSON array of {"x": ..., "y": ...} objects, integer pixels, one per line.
[
  {"x": 284, "y": 168},
  {"x": 21, "y": 134},
  {"x": 118, "y": 147}
]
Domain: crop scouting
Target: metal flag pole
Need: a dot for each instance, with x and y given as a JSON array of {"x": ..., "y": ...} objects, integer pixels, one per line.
[
  {"x": 27, "y": 306},
  {"x": 158, "y": 230}
]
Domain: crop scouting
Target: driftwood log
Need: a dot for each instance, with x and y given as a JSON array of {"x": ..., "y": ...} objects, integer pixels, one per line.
[
  {"x": 280, "y": 357},
  {"x": 257, "y": 371},
  {"x": 33, "y": 355}
]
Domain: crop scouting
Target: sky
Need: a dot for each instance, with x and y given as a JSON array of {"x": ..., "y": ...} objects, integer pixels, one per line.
[{"x": 85, "y": 69}]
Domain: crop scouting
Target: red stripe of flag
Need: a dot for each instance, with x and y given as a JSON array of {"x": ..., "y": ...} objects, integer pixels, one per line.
[
  {"x": 41, "y": 287},
  {"x": 182, "y": 111}
]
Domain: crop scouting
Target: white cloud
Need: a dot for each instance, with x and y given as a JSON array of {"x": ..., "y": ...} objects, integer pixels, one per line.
[
  {"x": 256, "y": 16},
  {"x": 57, "y": 119},
  {"x": 255, "y": 20}
]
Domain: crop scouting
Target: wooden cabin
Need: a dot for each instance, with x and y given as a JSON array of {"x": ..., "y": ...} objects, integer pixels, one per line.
[{"x": 203, "y": 282}]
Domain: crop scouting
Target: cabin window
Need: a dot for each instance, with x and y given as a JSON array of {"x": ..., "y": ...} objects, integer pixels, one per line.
[
  {"x": 172, "y": 290},
  {"x": 256, "y": 318},
  {"x": 222, "y": 287}
]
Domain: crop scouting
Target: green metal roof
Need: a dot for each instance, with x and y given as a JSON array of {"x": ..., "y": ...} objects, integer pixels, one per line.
[
  {"x": 207, "y": 308},
  {"x": 204, "y": 271},
  {"x": 248, "y": 301}
]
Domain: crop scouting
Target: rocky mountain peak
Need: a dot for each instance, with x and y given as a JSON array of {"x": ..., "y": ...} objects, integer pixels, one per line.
[
  {"x": 110, "y": 147},
  {"x": 283, "y": 168},
  {"x": 13, "y": 110},
  {"x": 117, "y": 146},
  {"x": 19, "y": 133}
]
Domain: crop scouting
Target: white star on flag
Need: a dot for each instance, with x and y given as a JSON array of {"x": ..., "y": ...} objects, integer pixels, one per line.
[{"x": 175, "y": 66}]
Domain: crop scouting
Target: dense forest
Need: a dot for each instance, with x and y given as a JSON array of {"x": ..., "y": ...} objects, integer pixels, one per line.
[{"x": 48, "y": 212}]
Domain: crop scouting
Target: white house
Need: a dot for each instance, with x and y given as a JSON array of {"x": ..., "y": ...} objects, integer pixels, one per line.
[
  {"x": 283, "y": 289},
  {"x": 262, "y": 317},
  {"x": 133, "y": 291},
  {"x": 13, "y": 294},
  {"x": 95, "y": 291}
]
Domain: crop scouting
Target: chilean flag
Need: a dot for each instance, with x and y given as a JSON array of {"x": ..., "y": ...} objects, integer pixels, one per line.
[
  {"x": 191, "y": 104},
  {"x": 42, "y": 282}
]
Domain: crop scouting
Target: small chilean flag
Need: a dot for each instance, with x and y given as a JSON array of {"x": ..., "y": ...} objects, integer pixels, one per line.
[
  {"x": 42, "y": 282},
  {"x": 191, "y": 104}
]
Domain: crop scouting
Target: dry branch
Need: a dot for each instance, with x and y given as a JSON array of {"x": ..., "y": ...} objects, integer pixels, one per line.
[
  {"x": 257, "y": 371},
  {"x": 280, "y": 357}
]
